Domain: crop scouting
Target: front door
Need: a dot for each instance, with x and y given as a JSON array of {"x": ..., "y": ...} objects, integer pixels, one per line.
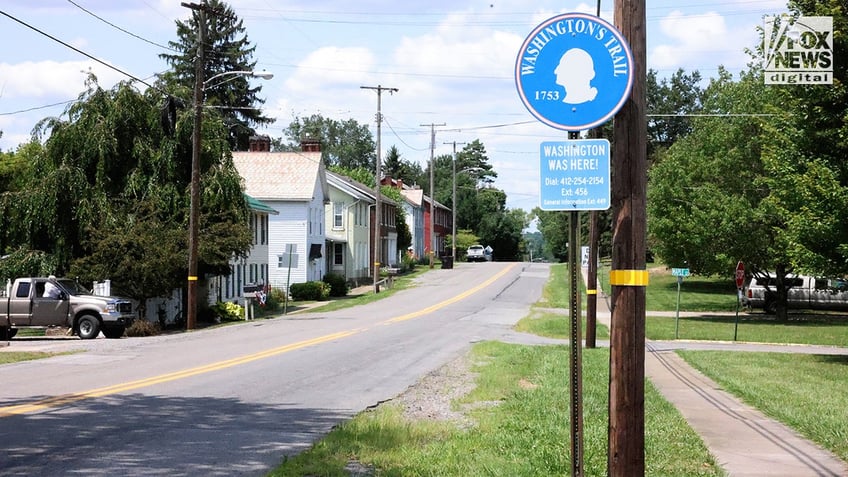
[{"x": 49, "y": 312}]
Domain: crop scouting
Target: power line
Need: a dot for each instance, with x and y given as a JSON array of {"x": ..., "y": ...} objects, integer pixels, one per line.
[
  {"x": 92, "y": 57},
  {"x": 20, "y": 111},
  {"x": 119, "y": 28}
]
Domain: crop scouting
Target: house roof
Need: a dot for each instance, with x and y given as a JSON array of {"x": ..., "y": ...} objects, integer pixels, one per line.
[
  {"x": 356, "y": 189},
  {"x": 280, "y": 175},
  {"x": 413, "y": 196},
  {"x": 350, "y": 186}
]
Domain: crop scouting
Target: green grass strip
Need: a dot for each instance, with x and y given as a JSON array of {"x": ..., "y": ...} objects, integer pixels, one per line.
[{"x": 808, "y": 393}]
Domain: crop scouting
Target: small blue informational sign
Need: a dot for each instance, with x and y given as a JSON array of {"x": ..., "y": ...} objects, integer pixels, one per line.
[
  {"x": 680, "y": 272},
  {"x": 574, "y": 72},
  {"x": 575, "y": 175}
]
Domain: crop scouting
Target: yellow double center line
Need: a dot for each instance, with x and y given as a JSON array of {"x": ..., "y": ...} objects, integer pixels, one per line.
[{"x": 66, "y": 399}]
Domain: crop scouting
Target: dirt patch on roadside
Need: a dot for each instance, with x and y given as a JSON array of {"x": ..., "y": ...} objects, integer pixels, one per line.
[{"x": 431, "y": 397}]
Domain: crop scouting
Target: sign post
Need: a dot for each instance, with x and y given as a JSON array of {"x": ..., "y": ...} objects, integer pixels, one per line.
[
  {"x": 679, "y": 273},
  {"x": 740, "y": 280},
  {"x": 574, "y": 72}
]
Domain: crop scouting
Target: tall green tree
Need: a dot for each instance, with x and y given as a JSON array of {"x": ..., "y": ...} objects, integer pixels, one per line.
[
  {"x": 226, "y": 49},
  {"x": 706, "y": 196},
  {"x": 398, "y": 167},
  {"x": 346, "y": 144}
]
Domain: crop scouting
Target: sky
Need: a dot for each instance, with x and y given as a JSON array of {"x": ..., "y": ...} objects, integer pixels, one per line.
[{"x": 452, "y": 63}]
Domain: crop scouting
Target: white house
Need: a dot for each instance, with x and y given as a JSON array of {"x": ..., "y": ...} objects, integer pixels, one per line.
[
  {"x": 252, "y": 270},
  {"x": 413, "y": 208},
  {"x": 294, "y": 185}
]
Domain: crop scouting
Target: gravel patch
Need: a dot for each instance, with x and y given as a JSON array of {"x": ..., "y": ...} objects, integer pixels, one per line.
[{"x": 431, "y": 397}]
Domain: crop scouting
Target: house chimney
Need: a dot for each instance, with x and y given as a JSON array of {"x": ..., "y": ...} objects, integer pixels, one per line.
[
  {"x": 260, "y": 144},
  {"x": 309, "y": 144},
  {"x": 400, "y": 183}
]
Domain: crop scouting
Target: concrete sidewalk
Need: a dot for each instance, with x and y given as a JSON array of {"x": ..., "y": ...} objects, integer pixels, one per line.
[{"x": 743, "y": 440}]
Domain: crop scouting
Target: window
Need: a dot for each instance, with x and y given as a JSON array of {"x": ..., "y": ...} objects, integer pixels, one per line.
[
  {"x": 338, "y": 254},
  {"x": 338, "y": 210}
]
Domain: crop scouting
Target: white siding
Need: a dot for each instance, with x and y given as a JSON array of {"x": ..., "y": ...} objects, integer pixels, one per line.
[{"x": 288, "y": 227}]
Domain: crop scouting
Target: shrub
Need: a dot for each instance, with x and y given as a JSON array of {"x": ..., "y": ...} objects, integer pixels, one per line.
[
  {"x": 407, "y": 264},
  {"x": 338, "y": 284},
  {"x": 226, "y": 311},
  {"x": 274, "y": 298},
  {"x": 143, "y": 327},
  {"x": 310, "y": 291}
]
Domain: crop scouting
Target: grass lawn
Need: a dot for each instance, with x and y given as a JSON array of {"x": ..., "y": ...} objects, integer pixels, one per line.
[
  {"x": 828, "y": 330},
  {"x": 809, "y": 393},
  {"x": 696, "y": 293}
]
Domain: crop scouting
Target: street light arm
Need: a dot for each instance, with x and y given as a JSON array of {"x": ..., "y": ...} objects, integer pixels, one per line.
[{"x": 266, "y": 75}]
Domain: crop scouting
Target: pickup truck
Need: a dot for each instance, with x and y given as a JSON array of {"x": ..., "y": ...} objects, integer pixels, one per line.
[
  {"x": 475, "y": 253},
  {"x": 803, "y": 292},
  {"x": 24, "y": 304}
]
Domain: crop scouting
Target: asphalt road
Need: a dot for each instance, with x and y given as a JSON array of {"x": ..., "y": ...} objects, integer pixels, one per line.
[{"x": 235, "y": 400}]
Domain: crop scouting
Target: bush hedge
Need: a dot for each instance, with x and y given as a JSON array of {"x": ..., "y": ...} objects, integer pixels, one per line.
[
  {"x": 310, "y": 291},
  {"x": 338, "y": 284}
]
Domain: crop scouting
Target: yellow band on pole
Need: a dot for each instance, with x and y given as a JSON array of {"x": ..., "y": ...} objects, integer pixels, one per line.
[
  {"x": 629, "y": 278},
  {"x": 192, "y": 278},
  {"x": 591, "y": 292},
  {"x": 376, "y": 264}
]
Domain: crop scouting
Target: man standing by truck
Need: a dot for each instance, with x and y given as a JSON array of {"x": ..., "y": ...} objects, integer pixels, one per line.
[{"x": 51, "y": 290}]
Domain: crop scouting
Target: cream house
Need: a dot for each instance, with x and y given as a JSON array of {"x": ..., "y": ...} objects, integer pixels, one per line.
[{"x": 348, "y": 228}]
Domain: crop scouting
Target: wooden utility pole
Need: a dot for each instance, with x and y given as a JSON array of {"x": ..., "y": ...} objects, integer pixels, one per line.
[
  {"x": 377, "y": 177},
  {"x": 194, "y": 205},
  {"x": 453, "y": 204},
  {"x": 432, "y": 192},
  {"x": 628, "y": 276}
]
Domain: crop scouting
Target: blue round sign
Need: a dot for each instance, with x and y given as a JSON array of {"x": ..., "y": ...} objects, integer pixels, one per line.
[{"x": 574, "y": 71}]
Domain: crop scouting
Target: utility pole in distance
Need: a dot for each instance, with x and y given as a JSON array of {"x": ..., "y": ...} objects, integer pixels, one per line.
[
  {"x": 453, "y": 203},
  {"x": 629, "y": 277},
  {"x": 432, "y": 192},
  {"x": 377, "y": 176}
]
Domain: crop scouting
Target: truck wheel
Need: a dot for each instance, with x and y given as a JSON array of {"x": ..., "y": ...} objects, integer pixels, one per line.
[
  {"x": 88, "y": 327},
  {"x": 113, "y": 333},
  {"x": 5, "y": 333}
]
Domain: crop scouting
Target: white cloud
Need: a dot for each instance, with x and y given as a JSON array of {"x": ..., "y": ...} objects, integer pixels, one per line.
[
  {"x": 330, "y": 67},
  {"x": 51, "y": 79},
  {"x": 701, "y": 41}
]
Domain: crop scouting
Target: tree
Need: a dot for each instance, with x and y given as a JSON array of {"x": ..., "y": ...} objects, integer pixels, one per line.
[
  {"x": 397, "y": 167},
  {"x": 671, "y": 101},
  {"x": 108, "y": 193},
  {"x": 345, "y": 144},
  {"x": 707, "y": 192},
  {"x": 227, "y": 49}
]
